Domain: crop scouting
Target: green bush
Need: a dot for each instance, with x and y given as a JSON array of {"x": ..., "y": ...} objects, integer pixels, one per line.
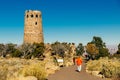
[
  {"x": 39, "y": 49},
  {"x": 103, "y": 52},
  {"x": 16, "y": 53}
]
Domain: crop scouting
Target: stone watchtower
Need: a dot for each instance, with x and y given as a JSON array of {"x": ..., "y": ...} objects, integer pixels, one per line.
[{"x": 33, "y": 32}]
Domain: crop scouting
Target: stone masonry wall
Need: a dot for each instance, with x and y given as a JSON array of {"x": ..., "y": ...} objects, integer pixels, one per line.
[{"x": 33, "y": 32}]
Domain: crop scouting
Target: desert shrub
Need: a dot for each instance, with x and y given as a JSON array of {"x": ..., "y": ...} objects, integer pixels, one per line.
[
  {"x": 39, "y": 49},
  {"x": 15, "y": 68},
  {"x": 55, "y": 61},
  {"x": 16, "y": 53},
  {"x": 94, "y": 65},
  {"x": 68, "y": 61},
  {"x": 118, "y": 52},
  {"x": 117, "y": 76},
  {"x": 107, "y": 67},
  {"x": 62, "y": 49},
  {"x": 116, "y": 55},
  {"x": 110, "y": 70},
  {"x": 58, "y": 48},
  {"x": 37, "y": 70}
]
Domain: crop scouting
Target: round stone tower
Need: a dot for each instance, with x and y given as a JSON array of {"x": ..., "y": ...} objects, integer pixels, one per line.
[{"x": 33, "y": 32}]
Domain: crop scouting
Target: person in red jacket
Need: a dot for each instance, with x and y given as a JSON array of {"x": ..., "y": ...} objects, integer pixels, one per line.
[{"x": 79, "y": 63}]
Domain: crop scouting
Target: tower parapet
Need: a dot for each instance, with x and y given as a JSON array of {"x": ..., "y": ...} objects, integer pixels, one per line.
[{"x": 33, "y": 32}]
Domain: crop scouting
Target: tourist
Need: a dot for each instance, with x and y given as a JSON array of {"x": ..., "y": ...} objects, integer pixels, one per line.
[{"x": 79, "y": 63}]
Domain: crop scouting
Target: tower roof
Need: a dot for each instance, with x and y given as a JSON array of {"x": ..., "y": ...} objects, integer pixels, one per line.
[{"x": 33, "y": 11}]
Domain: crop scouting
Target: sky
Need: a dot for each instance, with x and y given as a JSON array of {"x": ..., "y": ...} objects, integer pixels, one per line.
[{"x": 74, "y": 21}]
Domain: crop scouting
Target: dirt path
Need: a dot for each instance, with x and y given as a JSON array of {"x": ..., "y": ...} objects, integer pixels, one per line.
[{"x": 70, "y": 73}]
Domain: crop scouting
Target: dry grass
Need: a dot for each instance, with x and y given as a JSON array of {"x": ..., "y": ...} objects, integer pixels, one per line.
[
  {"x": 68, "y": 62},
  {"x": 37, "y": 70},
  {"x": 13, "y": 68},
  {"x": 108, "y": 67}
]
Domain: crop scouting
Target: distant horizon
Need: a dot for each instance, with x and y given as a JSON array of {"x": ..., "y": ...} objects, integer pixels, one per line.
[
  {"x": 60, "y": 42},
  {"x": 74, "y": 21}
]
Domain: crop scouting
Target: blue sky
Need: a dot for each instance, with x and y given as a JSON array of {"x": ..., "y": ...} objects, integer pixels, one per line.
[{"x": 63, "y": 20}]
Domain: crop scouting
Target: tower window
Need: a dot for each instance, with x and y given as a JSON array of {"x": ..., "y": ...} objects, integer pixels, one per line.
[
  {"x": 27, "y": 16},
  {"x": 32, "y": 16},
  {"x": 35, "y": 23},
  {"x": 36, "y": 16}
]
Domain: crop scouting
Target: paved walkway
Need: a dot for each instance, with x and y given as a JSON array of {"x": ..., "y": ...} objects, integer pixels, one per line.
[{"x": 70, "y": 73}]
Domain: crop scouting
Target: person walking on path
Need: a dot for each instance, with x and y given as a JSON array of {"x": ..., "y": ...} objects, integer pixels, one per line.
[{"x": 79, "y": 63}]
